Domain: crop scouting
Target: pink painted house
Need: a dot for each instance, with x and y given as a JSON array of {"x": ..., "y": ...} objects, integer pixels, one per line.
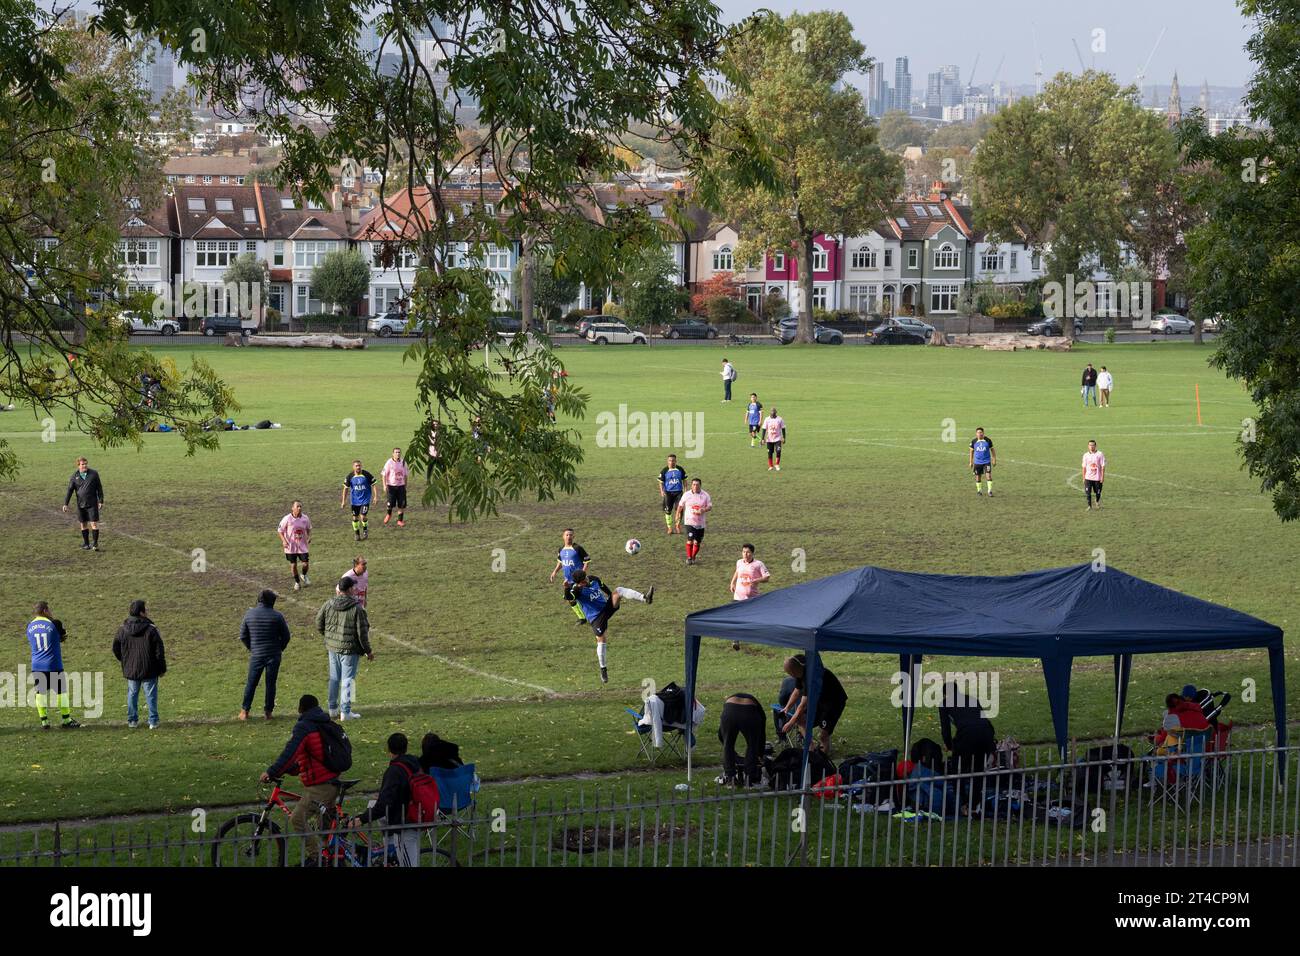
[{"x": 782, "y": 274}]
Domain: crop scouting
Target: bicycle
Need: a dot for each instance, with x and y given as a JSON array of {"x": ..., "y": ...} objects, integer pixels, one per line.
[
  {"x": 734, "y": 339},
  {"x": 250, "y": 839}
]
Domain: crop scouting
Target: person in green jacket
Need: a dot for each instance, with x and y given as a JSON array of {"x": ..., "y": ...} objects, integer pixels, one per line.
[{"x": 343, "y": 623}]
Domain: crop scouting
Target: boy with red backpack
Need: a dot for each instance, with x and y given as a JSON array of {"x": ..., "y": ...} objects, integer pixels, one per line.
[{"x": 407, "y": 802}]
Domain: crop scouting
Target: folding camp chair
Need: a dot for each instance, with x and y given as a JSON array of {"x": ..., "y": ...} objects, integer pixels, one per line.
[
  {"x": 674, "y": 738},
  {"x": 457, "y": 803},
  {"x": 1185, "y": 781},
  {"x": 779, "y": 719}
]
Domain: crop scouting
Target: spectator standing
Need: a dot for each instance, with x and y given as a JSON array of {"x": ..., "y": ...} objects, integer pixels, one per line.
[
  {"x": 1089, "y": 385},
  {"x": 139, "y": 647},
  {"x": 394, "y": 802},
  {"x": 728, "y": 376},
  {"x": 342, "y": 621},
  {"x": 1105, "y": 382},
  {"x": 265, "y": 633}
]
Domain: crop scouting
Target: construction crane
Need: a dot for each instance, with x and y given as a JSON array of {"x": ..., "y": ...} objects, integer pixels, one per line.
[
  {"x": 1082, "y": 67},
  {"x": 1142, "y": 73},
  {"x": 970, "y": 77},
  {"x": 1038, "y": 60}
]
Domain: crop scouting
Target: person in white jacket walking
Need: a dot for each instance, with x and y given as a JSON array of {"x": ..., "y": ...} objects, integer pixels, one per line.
[
  {"x": 1105, "y": 382},
  {"x": 728, "y": 376}
]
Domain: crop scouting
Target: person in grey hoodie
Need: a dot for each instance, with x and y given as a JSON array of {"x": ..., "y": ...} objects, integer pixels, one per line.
[
  {"x": 139, "y": 647},
  {"x": 265, "y": 633},
  {"x": 343, "y": 623}
]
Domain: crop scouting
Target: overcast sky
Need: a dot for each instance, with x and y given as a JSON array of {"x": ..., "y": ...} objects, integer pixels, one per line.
[{"x": 1204, "y": 39}]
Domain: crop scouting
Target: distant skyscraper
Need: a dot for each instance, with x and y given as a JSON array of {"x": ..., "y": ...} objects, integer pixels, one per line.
[
  {"x": 902, "y": 85},
  {"x": 875, "y": 86},
  {"x": 158, "y": 70},
  {"x": 1174, "y": 113},
  {"x": 1205, "y": 98}
]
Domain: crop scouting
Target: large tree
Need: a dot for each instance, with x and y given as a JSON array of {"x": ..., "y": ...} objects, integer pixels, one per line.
[
  {"x": 545, "y": 77},
  {"x": 1070, "y": 172},
  {"x": 831, "y": 176},
  {"x": 73, "y": 178},
  {"x": 341, "y": 279},
  {"x": 1245, "y": 256}
]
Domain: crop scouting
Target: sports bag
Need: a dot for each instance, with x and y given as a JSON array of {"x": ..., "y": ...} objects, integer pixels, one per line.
[
  {"x": 424, "y": 802},
  {"x": 336, "y": 749}
]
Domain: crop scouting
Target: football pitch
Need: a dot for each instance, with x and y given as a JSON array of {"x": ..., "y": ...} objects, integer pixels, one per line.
[{"x": 473, "y": 642}]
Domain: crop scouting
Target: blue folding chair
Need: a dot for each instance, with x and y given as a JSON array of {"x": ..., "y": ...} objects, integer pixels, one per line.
[
  {"x": 457, "y": 803},
  {"x": 674, "y": 738}
]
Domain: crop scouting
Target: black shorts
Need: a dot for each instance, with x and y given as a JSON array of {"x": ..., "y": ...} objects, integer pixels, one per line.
[
  {"x": 601, "y": 621},
  {"x": 1090, "y": 485},
  {"x": 982, "y": 470},
  {"x": 753, "y": 429},
  {"x": 397, "y": 496},
  {"x": 360, "y": 511},
  {"x": 50, "y": 682},
  {"x": 829, "y": 716},
  {"x": 774, "y": 449},
  {"x": 670, "y": 501},
  {"x": 88, "y": 515},
  {"x": 693, "y": 533},
  {"x": 297, "y": 556}
]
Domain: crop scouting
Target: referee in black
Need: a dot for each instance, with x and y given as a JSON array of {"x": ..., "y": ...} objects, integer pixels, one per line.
[{"x": 85, "y": 484}]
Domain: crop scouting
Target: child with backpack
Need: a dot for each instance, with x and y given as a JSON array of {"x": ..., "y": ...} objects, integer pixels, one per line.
[
  {"x": 317, "y": 752},
  {"x": 408, "y": 797}
]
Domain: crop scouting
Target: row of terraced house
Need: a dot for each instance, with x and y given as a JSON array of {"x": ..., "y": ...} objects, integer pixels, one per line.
[{"x": 919, "y": 258}]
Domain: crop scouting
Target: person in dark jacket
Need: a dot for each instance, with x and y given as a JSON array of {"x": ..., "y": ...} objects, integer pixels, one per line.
[
  {"x": 439, "y": 754},
  {"x": 391, "y": 803},
  {"x": 343, "y": 623},
  {"x": 265, "y": 633},
  {"x": 85, "y": 484},
  {"x": 968, "y": 735},
  {"x": 139, "y": 647},
  {"x": 304, "y": 756},
  {"x": 831, "y": 701},
  {"x": 1089, "y": 385}
]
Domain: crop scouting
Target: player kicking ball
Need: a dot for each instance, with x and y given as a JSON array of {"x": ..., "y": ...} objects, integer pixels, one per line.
[
  {"x": 571, "y": 557},
  {"x": 295, "y": 536},
  {"x": 361, "y": 486},
  {"x": 1094, "y": 473},
  {"x": 982, "y": 460},
  {"x": 598, "y": 606},
  {"x": 774, "y": 432}
]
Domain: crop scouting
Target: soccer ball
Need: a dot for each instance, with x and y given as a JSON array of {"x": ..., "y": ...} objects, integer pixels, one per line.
[{"x": 632, "y": 546}]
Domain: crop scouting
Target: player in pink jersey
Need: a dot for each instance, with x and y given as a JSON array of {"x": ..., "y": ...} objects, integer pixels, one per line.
[
  {"x": 774, "y": 433},
  {"x": 360, "y": 579},
  {"x": 295, "y": 536},
  {"x": 749, "y": 574},
  {"x": 1094, "y": 473},
  {"x": 394, "y": 475},
  {"x": 694, "y": 507}
]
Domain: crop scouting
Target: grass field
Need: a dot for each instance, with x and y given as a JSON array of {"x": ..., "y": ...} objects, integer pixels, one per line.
[{"x": 493, "y": 659}]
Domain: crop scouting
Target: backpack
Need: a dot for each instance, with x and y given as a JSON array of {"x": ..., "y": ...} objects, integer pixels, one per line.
[
  {"x": 872, "y": 768},
  {"x": 424, "y": 803},
  {"x": 785, "y": 770},
  {"x": 336, "y": 749}
]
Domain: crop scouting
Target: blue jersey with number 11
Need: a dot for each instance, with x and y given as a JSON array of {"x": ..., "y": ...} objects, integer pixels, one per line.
[{"x": 44, "y": 637}]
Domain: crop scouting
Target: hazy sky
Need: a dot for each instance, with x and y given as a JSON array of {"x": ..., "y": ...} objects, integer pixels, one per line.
[{"x": 1204, "y": 40}]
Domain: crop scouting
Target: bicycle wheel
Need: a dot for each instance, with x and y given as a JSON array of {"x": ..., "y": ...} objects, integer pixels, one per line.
[{"x": 240, "y": 844}]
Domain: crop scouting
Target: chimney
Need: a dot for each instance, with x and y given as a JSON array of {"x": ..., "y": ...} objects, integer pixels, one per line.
[{"x": 336, "y": 199}]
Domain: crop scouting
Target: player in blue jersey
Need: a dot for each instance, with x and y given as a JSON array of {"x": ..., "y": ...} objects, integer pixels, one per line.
[
  {"x": 982, "y": 460},
  {"x": 754, "y": 419},
  {"x": 598, "y": 606},
  {"x": 45, "y": 635},
  {"x": 570, "y": 558},
  {"x": 360, "y": 486},
  {"x": 672, "y": 482}
]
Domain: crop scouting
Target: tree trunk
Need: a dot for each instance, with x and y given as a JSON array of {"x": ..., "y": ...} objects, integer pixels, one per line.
[
  {"x": 804, "y": 333},
  {"x": 526, "y": 267}
]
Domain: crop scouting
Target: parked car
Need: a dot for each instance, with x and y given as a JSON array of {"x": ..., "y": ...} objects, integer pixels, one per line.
[
  {"x": 135, "y": 323},
  {"x": 390, "y": 323},
  {"x": 690, "y": 327},
  {"x": 1171, "y": 324},
  {"x": 507, "y": 324},
  {"x": 614, "y": 333},
  {"x": 788, "y": 329},
  {"x": 914, "y": 325},
  {"x": 221, "y": 324},
  {"x": 891, "y": 332},
  {"x": 1213, "y": 324},
  {"x": 1052, "y": 326}
]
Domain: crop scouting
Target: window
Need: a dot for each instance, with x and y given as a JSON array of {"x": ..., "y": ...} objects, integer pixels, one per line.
[
  {"x": 889, "y": 258},
  {"x": 277, "y": 253},
  {"x": 489, "y": 209},
  {"x": 215, "y": 254},
  {"x": 207, "y": 180},
  {"x": 943, "y": 297},
  {"x": 862, "y": 298},
  {"x": 754, "y": 298},
  {"x": 313, "y": 204},
  {"x": 902, "y": 222},
  {"x": 304, "y": 304},
  {"x": 498, "y": 257},
  {"x": 138, "y": 252},
  {"x": 821, "y": 259},
  {"x": 919, "y": 211},
  {"x": 308, "y": 254},
  {"x": 196, "y": 204},
  {"x": 946, "y": 257},
  {"x": 723, "y": 261},
  {"x": 1034, "y": 261},
  {"x": 189, "y": 179},
  {"x": 239, "y": 180},
  {"x": 1014, "y": 256},
  {"x": 286, "y": 202},
  {"x": 778, "y": 261},
  {"x": 935, "y": 211},
  {"x": 250, "y": 215},
  {"x": 819, "y": 297},
  {"x": 250, "y": 246},
  {"x": 864, "y": 258},
  {"x": 224, "y": 205},
  {"x": 913, "y": 258},
  {"x": 991, "y": 260},
  {"x": 225, "y": 180},
  {"x": 276, "y": 299}
]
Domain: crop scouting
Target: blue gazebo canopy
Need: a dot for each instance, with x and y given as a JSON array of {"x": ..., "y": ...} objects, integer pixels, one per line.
[{"x": 1054, "y": 615}]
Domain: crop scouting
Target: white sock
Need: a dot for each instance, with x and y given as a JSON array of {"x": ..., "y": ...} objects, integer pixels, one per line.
[
  {"x": 600, "y": 653},
  {"x": 630, "y": 594}
]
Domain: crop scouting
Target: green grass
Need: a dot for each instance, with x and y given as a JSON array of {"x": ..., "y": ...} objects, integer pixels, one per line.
[{"x": 494, "y": 661}]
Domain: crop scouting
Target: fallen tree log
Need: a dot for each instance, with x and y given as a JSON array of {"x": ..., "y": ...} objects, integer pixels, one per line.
[
  {"x": 1011, "y": 342},
  {"x": 307, "y": 341}
]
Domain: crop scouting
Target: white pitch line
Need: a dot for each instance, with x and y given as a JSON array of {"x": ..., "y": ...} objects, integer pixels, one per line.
[{"x": 549, "y": 692}]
